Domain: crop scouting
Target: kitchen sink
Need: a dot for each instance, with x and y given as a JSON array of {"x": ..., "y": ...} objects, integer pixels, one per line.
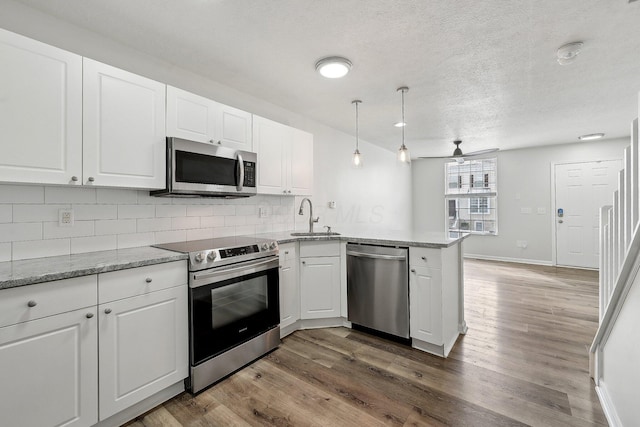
[{"x": 315, "y": 234}]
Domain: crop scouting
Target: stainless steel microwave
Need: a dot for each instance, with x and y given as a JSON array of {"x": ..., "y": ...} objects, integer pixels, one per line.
[{"x": 197, "y": 169}]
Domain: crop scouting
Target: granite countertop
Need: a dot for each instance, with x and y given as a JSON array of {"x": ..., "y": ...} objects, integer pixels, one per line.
[
  {"x": 31, "y": 271},
  {"x": 376, "y": 237}
]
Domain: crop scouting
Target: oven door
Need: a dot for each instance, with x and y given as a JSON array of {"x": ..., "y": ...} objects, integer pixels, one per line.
[{"x": 232, "y": 304}]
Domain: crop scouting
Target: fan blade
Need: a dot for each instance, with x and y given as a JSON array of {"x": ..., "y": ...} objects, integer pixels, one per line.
[{"x": 481, "y": 152}]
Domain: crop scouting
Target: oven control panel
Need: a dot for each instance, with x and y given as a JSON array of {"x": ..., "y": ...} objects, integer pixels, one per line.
[
  {"x": 243, "y": 250},
  {"x": 217, "y": 257}
]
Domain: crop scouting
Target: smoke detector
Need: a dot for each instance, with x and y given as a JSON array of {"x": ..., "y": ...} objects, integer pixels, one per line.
[{"x": 567, "y": 53}]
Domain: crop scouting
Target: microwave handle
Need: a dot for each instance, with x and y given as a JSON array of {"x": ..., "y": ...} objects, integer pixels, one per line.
[{"x": 240, "y": 172}]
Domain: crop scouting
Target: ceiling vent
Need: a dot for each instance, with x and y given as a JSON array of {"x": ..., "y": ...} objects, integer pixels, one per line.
[{"x": 567, "y": 53}]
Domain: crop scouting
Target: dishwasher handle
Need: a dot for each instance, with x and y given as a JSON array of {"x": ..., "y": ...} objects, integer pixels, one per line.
[{"x": 377, "y": 256}]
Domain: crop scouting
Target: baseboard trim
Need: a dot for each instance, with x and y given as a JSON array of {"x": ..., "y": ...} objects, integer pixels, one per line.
[
  {"x": 607, "y": 406},
  {"x": 508, "y": 259}
]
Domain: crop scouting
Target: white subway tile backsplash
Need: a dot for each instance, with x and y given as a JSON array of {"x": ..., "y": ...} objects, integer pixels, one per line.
[
  {"x": 40, "y": 248},
  {"x": 37, "y": 213},
  {"x": 234, "y": 220},
  {"x": 199, "y": 210},
  {"x": 185, "y": 222},
  {"x": 117, "y": 196},
  {"x": 136, "y": 211},
  {"x": 171, "y": 236},
  {"x": 21, "y": 193},
  {"x": 224, "y": 210},
  {"x": 211, "y": 221},
  {"x": 170, "y": 210},
  {"x": 69, "y": 195},
  {"x": 135, "y": 240},
  {"x": 92, "y": 244},
  {"x": 200, "y": 233},
  {"x": 79, "y": 229},
  {"x": 5, "y": 252},
  {"x": 107, "y": 219},
  {"x": 93, "y": 212},
  {"x": 153, "y": 224},
  {"x": 13, "y": 232},
  {"x": 6, "y": 213},
  {"x": 115, "y": 226}
]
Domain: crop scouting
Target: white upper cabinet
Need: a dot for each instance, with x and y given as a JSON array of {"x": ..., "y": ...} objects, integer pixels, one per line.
[
  {"x": 194, "y": 117},
  {"x": 285, "y": 158},
  {"x": 123, "y": 128},
  {"x": 40, "y": 112}
]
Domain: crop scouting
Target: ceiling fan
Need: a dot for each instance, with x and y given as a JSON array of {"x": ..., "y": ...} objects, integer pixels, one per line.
[{"x": 457, "y": 153}]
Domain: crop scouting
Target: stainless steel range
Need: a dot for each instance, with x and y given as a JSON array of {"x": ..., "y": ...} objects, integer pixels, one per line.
[{"x": 233, "y": 304}]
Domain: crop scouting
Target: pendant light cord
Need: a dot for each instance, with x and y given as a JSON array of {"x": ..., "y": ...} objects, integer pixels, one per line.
[
  {"x": 404, "y": 124},
  {"x": 357, "y": 135}
]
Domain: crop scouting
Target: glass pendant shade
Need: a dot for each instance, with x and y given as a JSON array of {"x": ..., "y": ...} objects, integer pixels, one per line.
[
  {"x": 403, "y": 154},
  {"x": 357, "y": 159}
]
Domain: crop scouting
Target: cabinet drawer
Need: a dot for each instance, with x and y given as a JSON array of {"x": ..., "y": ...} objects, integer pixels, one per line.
[
  {"x": 121, "y": 284},
  {"x": 46, "y": 299},
  {"x": 321, "y": 248},
  {"x": 288, "y": 253},
  {"x": 425, "y": 257}
]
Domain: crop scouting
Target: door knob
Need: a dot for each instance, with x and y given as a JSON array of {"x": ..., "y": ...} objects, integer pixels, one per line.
[{"x": 560, "y": 221}]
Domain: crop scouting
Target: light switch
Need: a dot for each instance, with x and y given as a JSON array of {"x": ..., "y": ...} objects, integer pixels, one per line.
[
  {"x": 542, "y": 211},
  {"x": 525, "y": 211}
]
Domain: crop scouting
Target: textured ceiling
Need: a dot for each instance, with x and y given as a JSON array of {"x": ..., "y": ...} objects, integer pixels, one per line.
[{"x": 483, "y": 71}]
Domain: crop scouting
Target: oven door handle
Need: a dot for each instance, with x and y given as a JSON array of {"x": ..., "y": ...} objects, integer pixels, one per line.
[{"x": 220, "y": 271}]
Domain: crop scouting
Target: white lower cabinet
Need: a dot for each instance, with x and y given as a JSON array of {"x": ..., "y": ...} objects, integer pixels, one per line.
[
  {"x": 425, "y": 305},
  {"x": 320, "y": 280},
  {"x": 66, "y": 360},
  {"x": 143, "y": 347},
  {"x": 289, "y": 289},
  {"x": 49, "y": 366}
]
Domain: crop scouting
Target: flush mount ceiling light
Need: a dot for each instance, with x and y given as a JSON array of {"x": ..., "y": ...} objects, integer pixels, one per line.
[
  {"x": 333, "y": 67},
  {"x": 403, "y": 151},
  {"x": 567, "y": 53},
  {"x": 357, "y": 158},
  {"x": 399, "y": 124},
  {"x": 591, "y": 136}
]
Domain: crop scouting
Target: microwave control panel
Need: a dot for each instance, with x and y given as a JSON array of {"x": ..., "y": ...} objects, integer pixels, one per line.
[{"x": 249, "y": 174}]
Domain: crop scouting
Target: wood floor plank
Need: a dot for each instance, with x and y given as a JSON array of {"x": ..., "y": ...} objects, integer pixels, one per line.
[{"x": 524, "y": 361}]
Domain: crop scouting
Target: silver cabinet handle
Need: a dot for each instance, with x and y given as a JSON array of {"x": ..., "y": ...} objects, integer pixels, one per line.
[
  {"x": 89, "y": 315},
  {"x": 286, "y": 252},
  {"x": 107, "y": 310},
  {"x": 289, "y": 191},
  {"x": 91, "y": 179},
  {"x": 148, "y": 280},
  {"x": 284, "y": 191},
  {"x": 74, "y": 178},
  {"x": 413, "y": 270},
  {"x": 211, "y": 141},
  {"x": 304, "y": 262},
  {"x": 32, "y": 303},
  {"x": 424, "y": 258}
]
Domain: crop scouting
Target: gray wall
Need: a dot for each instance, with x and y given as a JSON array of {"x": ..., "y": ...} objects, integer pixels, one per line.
[{"x": 524, "y": 181}]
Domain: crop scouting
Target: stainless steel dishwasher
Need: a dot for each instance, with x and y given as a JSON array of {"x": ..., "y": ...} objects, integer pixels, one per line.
[{"x": 378, "y": 288}]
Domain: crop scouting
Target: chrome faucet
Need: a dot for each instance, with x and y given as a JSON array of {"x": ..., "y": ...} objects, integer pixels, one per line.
[{"x": 311, "y": 218}]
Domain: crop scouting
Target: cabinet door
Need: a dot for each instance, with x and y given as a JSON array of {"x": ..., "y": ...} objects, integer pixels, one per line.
[
  {"x": 301, "y": 163},
  {"x": 425, "y": 304},
  {"x": 143, "y": 347},
  {"x": 271, "y": 139},
  {"x": 235, "y": 128},
  {"x": 319, "y": 287},
  {"x": 40, "y": 112},
  {"x": 123, "y": 128},
  {"x": 49, "y": 371},
  {"x": 190, "y": 116},
  {"x": 289, "y": 289}
]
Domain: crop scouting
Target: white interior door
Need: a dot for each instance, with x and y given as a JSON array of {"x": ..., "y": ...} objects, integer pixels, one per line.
[{"x": 581, "y": 189}]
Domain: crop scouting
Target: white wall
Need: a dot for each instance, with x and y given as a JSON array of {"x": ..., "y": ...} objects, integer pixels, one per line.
[
  {"x": 377, "y": 196},
  {"x": 524, "y": 181}
]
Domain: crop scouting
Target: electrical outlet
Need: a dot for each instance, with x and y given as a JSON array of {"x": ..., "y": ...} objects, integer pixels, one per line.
[
  {"x": 262, "y": 212},
  {"x": 542, "y": 211},
  {"x": 65, "y": 217},
  {"x": 521, "y": 244},
  {"x": 525, "y": 211},
  {"x": 332, "y": 205}
]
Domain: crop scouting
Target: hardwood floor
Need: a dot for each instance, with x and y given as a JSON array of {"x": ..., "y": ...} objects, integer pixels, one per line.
[{"x": 524, "y": 361}]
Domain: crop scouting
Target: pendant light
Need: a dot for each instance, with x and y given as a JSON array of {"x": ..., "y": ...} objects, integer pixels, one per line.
[
  {"x": 403, "y": 151},
  {"x": 357, "y": 158}
]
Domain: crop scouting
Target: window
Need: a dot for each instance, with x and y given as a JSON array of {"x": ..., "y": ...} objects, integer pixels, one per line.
[{"x": 471, "y": 192}]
